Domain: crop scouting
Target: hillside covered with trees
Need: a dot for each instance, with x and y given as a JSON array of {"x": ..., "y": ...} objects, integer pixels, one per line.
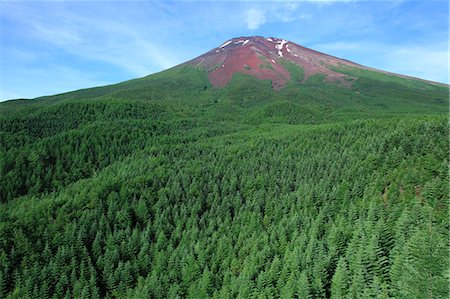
[{"x": 166, "y": 187}]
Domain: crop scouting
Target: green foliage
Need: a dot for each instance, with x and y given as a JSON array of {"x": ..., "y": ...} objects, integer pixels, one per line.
[
  {"x": 296, "y": 72},
  {"x": 339, "y": 283},
  {"x": 422, "y": 265},
  {"x": 164, "y": 187},
  {"x": 266, "y": 65}
]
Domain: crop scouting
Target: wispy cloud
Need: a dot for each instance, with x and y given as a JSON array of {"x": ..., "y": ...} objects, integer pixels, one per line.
[
  {"x": 54, "y": 50},
  {"x": 57, "y": 35},
  {"x": 260, "y": 14},
  {"x": 255, "y": 18},
  {"x": 98, "y": 38}
]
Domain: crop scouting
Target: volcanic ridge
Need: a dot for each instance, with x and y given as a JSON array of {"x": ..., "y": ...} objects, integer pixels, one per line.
[{"x": 265, "y": 59}]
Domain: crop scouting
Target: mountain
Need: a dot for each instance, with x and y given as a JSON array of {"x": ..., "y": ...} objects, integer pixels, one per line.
[
  {"x": 268, "y": 59},
  {"x": 283, "y": 70},
  {"x": 258, "y": 169},
  {"x": 265, "y": 59}
]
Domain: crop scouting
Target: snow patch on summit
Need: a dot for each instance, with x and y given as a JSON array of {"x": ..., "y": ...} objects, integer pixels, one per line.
[
  {"x": 279, "y": 46},
  {"x": 225, "y": 44}
]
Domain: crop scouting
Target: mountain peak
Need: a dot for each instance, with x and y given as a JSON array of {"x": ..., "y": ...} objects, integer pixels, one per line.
[{"x": 266, "y": 58}]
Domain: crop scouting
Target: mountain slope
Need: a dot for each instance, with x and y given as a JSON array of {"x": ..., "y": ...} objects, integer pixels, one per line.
[
  {"x": 263, "y": 58},
  {"x": 275, "y": 61},
  {"x": 266, "y": 59},
  {"x": 314, "y": 178}
]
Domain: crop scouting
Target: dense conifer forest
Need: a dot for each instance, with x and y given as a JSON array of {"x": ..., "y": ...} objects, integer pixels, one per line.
[{"x": 164, "y": 187}]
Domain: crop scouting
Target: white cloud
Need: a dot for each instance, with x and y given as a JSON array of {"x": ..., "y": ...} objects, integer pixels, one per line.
[
  {"x": 117, "y": 41},
  {"x": 255, "y": 18},
  {"x": 119, "y": 44},
  {"x": 58, "y": 35},
  {"x": 274, "y": 12}
]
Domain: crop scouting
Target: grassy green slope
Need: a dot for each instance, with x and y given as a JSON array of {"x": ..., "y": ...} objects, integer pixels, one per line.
[
  {"x": 165, "y": 187},
  {"x": 372, "y": 93}
]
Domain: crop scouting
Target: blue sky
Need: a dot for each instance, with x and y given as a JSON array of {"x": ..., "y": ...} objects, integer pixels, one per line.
[{"x": 56, "y": 46}]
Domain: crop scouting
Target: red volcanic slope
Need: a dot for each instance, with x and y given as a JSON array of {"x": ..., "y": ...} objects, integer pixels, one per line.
[{"x": 260, "y": 57}]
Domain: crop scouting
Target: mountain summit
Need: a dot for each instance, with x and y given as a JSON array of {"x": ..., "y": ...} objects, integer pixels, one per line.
[{"x": 267, "y": 58}]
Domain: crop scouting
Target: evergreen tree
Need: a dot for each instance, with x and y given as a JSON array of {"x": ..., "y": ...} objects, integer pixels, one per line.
[
  {"x": 424, "y": 267},
  {"x": 339, "y": 283},
  {"x": 303, "y": 290}
]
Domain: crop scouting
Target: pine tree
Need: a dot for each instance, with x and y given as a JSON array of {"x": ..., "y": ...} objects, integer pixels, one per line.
[
  {"x": 94, "y": 291},
  {"x": 290, "y": 288},
  {"x": 61, "y": 286},
  {"x": 85, "y": 294},
  {"x": 206, "y": 282},
  {"x": 126, "y": 276},
  {"x": 2, "y": 285},
  {"x": 424, "y": 269},
  {"x": 378, "y": 289},
  {"x": 303, "y": 289},
  {"x": 357, "y": 281},
  {"x": 339, "y": 282},
  {"x": 110, "y": 282},
  {"x": 246, "y": 288}
]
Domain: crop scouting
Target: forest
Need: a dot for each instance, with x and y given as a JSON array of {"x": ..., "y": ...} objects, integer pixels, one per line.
[{"x": 140, "y": 191}]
